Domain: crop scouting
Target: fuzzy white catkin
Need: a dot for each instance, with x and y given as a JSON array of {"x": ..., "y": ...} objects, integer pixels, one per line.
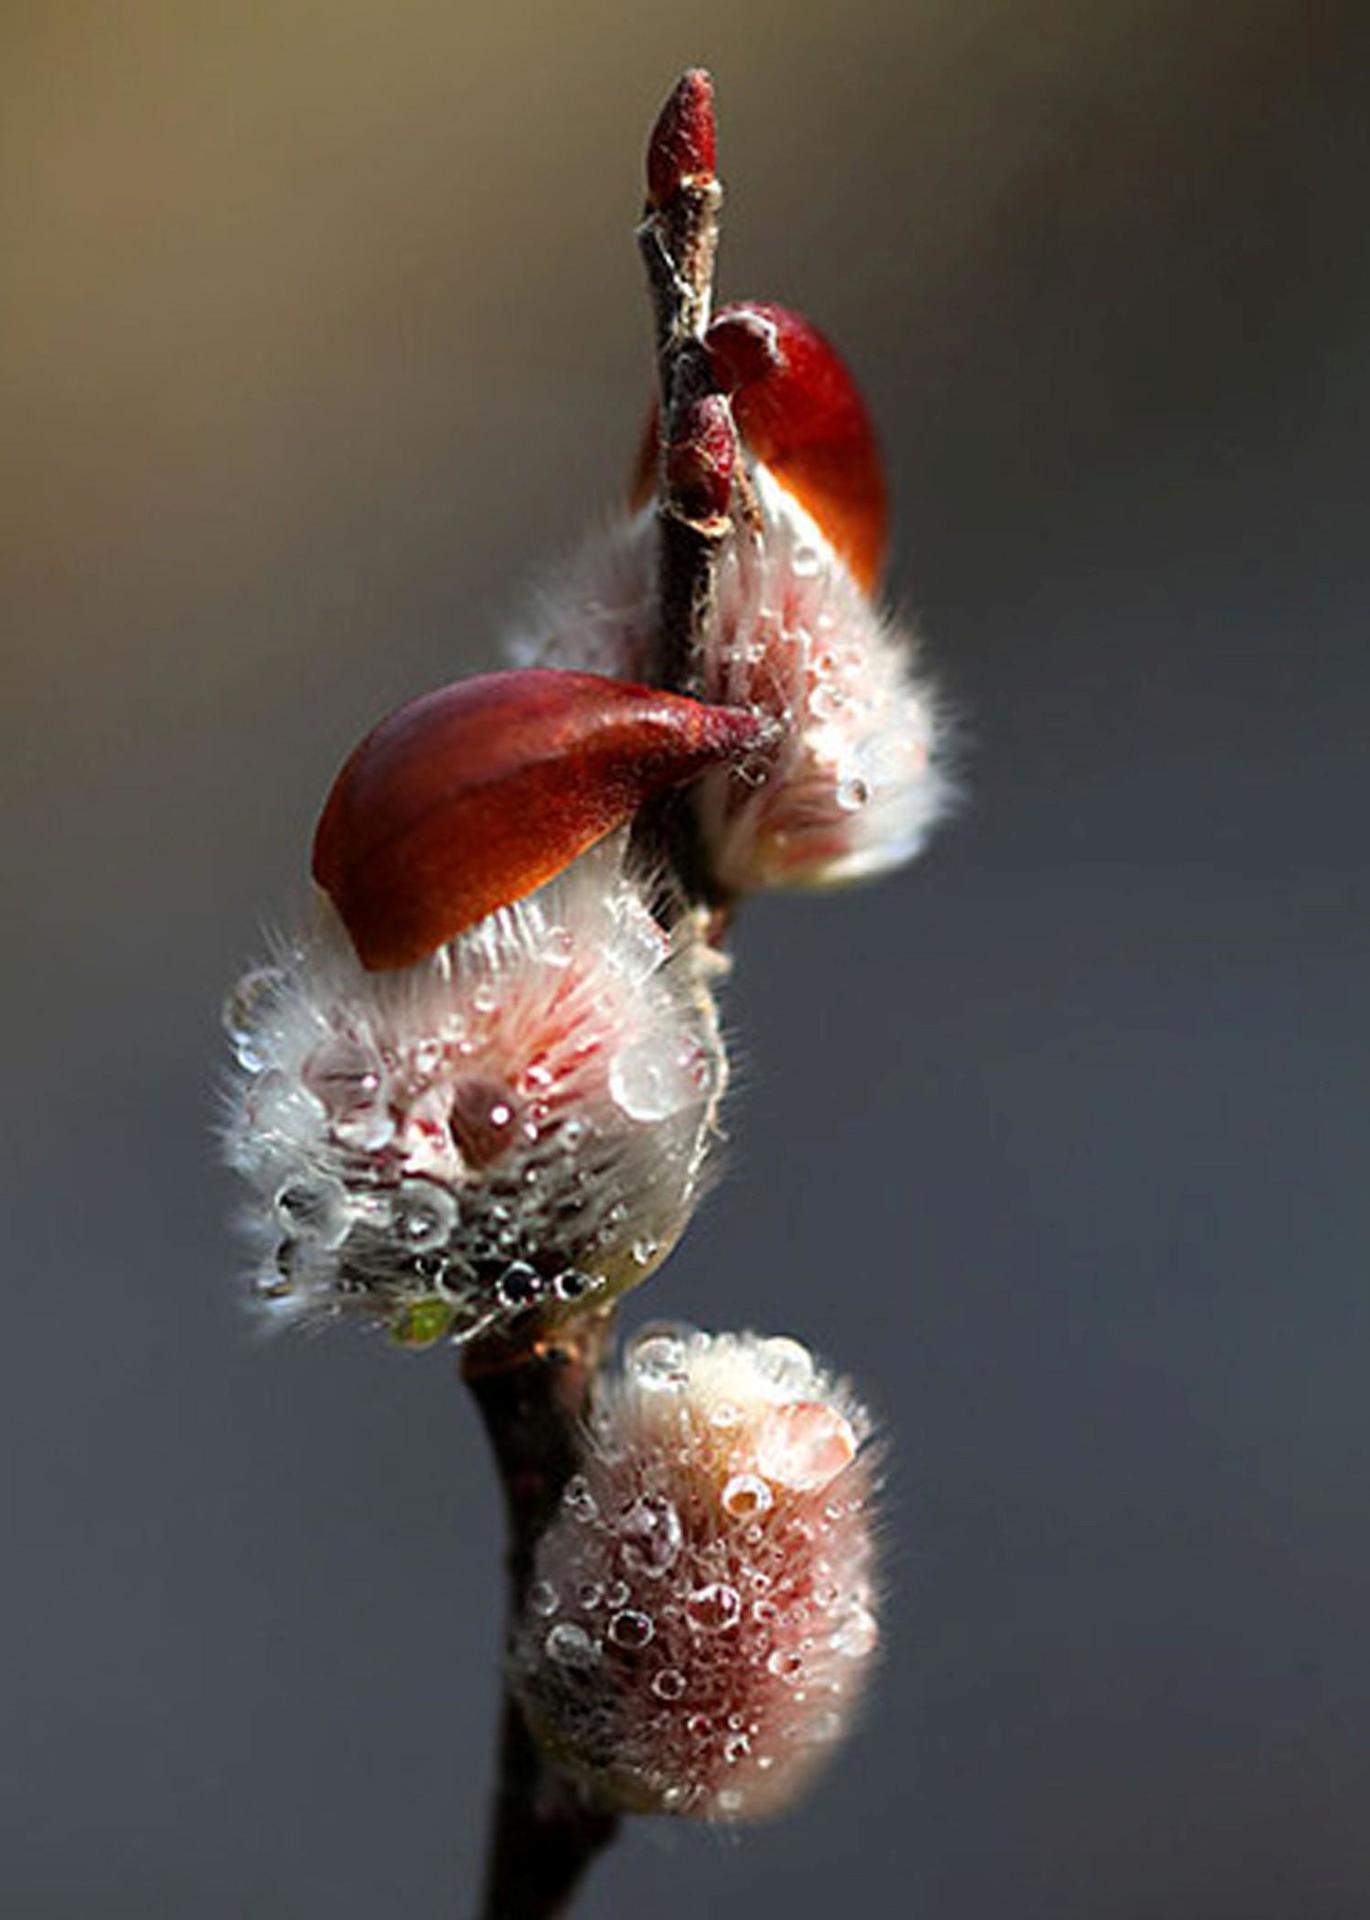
[
  {"x": 516, "y": 1122},
  {"x": 700, "y": 1624},
  {"x": 851, "y": 780}
]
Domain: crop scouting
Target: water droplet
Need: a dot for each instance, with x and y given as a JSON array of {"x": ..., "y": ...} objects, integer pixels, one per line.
[
  {"x": 424, "y": 1214},
  {"x": 736, "y": 1747},
  {"x": 657, "y": 1362},
  {"x": 644, "y": 1251},
  {"x": 482, "y": 1120},
  {"x": 650, "y": 1535},
  {"x": 804, "y": 1446},
  {"x": 518, "y": 1286},
  {"x": 571, "y": 1284},
  {"x": 543, "y": 1598},
  {"x": 654, "y": 1075},
  {"x": 280, "y": 1106},
  {"x": 785, "y": 1664},
  {"x": 252, "y": 1016},
  {"x": 668, "y": 1684},
  {"x": 314, "y": 1210},
  {"x": 713, "y": 1608},
  {"x": 787, "y": 1364},
  {"x": 570, "y": 1646},
  {"x": 578, "y": 1500},
  {"x": 588, "y": 1595},
  {"x": 631, "y": 1629},
  {"x": 852, "y": 794},
  {"x": 746, "y": 1495},
  {"x": 857, "y": 1635}
]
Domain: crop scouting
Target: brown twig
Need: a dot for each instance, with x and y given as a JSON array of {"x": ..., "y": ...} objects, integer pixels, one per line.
[
  {"x": 697, "y": 457},
  {"x": 533, "y": 1397}
]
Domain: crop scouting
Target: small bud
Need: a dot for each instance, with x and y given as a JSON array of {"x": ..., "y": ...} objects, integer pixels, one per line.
[
  {"x": 699, "y": 1627},
  {"x": 802, "y": 416},
  {"x": 682, "y": 148},
  {"x": 701, "y": 462},
  {"x": 468, "y": 798},
  {"x": 504, "y": 1129}
]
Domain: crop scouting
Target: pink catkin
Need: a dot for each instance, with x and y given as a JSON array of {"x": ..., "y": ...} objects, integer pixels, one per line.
[
  {"x": 514, "y": 1123},
  {"x": 699, "y": 1627}
]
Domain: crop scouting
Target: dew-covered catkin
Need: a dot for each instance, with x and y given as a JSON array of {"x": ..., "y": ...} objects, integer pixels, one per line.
[
  {"x": 509, "y": 1126},
  {"x": 849, "y": 779},
  {"x": 700, "y": 1622}
]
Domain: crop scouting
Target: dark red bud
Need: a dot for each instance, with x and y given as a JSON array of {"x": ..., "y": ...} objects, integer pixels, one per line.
[
  {"x": 466, "y": 799},
  {"x": 682, "y": 147},
  {"x": 700, "y": 464},
  {"x": 800, "y": 414}
]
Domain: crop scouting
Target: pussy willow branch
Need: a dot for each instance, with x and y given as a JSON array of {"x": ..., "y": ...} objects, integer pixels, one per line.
[{"x": 533, "y": 1398}]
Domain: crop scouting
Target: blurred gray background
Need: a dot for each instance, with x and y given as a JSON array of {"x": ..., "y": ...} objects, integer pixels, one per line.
[{"x": 323, "y": 326}]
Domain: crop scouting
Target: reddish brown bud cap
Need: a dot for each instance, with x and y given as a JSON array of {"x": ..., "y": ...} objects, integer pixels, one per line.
[
  {"x": 466, "y": 799},
  {"x": 800, "y": 414},
  {"x": 682, "y": 146}
]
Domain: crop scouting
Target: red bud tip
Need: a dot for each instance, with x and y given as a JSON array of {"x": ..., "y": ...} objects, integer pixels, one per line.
[
  {"x": 800, "y": 413},
  {"x": 700, "y": 464},
  {"x": 466, "y": 799},
  {"x": 682, "y": 148}
]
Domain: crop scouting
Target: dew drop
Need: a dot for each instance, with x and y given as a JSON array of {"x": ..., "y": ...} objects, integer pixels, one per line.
[
  {"x": 543, "y": 1598},
  {"x": 570, "y": 1646},
  {"x": 251, "y": 1017},
  {"x": 852, "y": 794},
  {"x": 650, "y": 1535},
  {"x": 787, "y": 1364},
  {"x": 631, "y": 1629},
  {"x": 482, "y": 1120},
  {"x": 785, "y": 1664},
  {"x": 314, "y": 1210},
  {"x": 653, "y": 1076},
  {"x": 668, "y": 1684},
  {"x": 518, "y": 1286},
  {"x": 805, "y": 1446},
  {"x": 857, "y": 1635},
  {"x": 657, "y": 1362},
  {"x": 578, "y": 1500},
  {"x": 713, "y": 1608},
  {"x": 745, "y": 1496},
  {"x": 424, "y": 1214},
  {"x": 279, "y": 1106}
]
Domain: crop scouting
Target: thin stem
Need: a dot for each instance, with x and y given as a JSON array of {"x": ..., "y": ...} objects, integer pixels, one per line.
[
  {"x": 533, "y": 1398},
  {"x": 544, "y": 1832}
]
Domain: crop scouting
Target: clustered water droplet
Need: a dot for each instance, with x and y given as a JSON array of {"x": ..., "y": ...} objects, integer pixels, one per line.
[
  {"x": 727, "y": 1614},
  {"x": 474, "y": 1139}
]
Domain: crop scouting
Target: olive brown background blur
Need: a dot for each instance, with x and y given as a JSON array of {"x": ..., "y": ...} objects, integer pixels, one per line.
[{"x": 323, "y": 328}]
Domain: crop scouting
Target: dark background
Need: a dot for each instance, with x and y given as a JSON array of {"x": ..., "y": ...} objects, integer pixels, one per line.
[{"x": 323, "y": 327}]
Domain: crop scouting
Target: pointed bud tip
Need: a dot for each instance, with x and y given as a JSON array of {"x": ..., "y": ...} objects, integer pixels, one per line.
[{"x": 682, "y": 147}]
